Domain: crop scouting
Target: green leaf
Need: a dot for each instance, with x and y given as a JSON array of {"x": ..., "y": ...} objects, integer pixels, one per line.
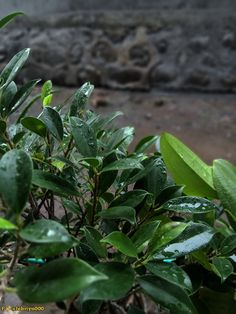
[
  {"x": 47, "y": 100},
  {"x": 122, "y": 164},
  {"x": 72, "y": 206},
  {"x": 171, "y": 273},
  {"x": 35, "y": 125},
  {"x": 165, "y": 234},
  {"x": 7, "y": 96},
  {"x": 13, "y": 67},
  {"x": 167, "y": 294},
  {"x": 3, "y": 127},
  {"x": 222, "y": 267},
  {"x": 193, "y": 238},
  {"x": 186, "y": 167},
  {"x": 15, "y": 179},
  {"x": 22, "y": 95},
  {"x": 120, "y": 241},
  {"x": 135, "y": 310},
  {"x": 45, "y": 231},
  {"x": 93, "y": 238},
  {"x": 188, "y": 204},
  {"x": 228, "y": 245},
  {"x": 121, "y": 136},
  {"x": 84, "y": 137},
  {"x": 46, "y": 90},
  {"x": 131, "y": 198},
  {"x": 224, "y": 176},
  {"x": 80, "y": 98},
  {"x": 7, "y": 19},
  {"x": 144, "y": 234},
  {"x": 43, "y": 250},
  {"x": 119, "y": 212},
  {"x": 120, "y": 281},
  {"x": 145, "y": 143},
  {"x": 54, "y": 183},
  {"x": 91, "y": 161},
  {"x": 55, "y": 281},
  {"x": 6, "y": 225},
  {"x": 53, "y": 121}
]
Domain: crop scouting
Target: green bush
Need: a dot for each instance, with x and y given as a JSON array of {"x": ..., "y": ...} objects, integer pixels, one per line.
[{"x": 92, "y": 226}]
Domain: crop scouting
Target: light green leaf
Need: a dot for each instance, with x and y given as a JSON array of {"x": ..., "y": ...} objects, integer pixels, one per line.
[
  {"x": 84, "y": 137},
  {"x": 53, "y": 121},
  {"x": 224, "y": 176},
  {"x": 47, "y": 100},
  {"x": 222, "y": 267},
  {"x": 120, "y": 241},
  {"x": 120, "y": 281},
  {"x": 6, "y": 225},
  {"x": 35, "y": 125},
  {"x": 187, "y": 168},
  {"x": 167, "y": 294},
  {"x": 15, "y": 179},
  {"x": 53, "y": 182},
  {"x": 119, "y": 212},
  {"x": 55, "y": 281}
]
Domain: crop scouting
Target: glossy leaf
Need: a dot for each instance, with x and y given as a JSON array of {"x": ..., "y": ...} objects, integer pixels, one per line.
[
  {"x": 80, "y": 98},
  {"x": 145, "y": 233},
  {"x": 120, "y": 281},
  {"x": 145, "y": 143},
  {"x": 193, "y": 238},
  {"x": 13, "y": 67},
  {"x": 188, "y": 204},
  {"x": 15, "y": 179},
  {"x": 45, "y": 231},
  {"x": 222, "y": 267},
  {"x": 228, "y": 245},
  {"x": 119, "y": 212},
  {"x": 53, "y": 121},
  {"x": 171, "y": 273},
  {"x": 6, "y": 224},
  {"x": 187, "y": 168},
  {"x": 93, "y": 238},
  {"x": 120, "y": 241},
  {"x": 165, "y": 234},
  {"x": 54, "y": 183},
  {"x": 43, "y": 250},
  {"x": 224, "y": 176},
  {"x": 167, "y": 294},
  {"x": 6, "y": 100},
  {"x": 7, "y": 19},
  {"x": 122, "y": 164},
  {"x": 130, "y": 198},
  {"x": 57, "y": 280},
  {"x": 84, "y": 137},
  {"x": 35, "y": 125}
]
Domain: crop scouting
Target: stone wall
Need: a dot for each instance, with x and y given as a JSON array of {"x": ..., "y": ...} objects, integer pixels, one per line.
[{"x": 186, "y": 45}]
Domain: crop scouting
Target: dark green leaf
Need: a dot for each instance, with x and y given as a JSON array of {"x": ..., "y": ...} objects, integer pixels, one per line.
[
  {"x": 120, "y": 281},
  {"x": 171, "y": 273},
  {"x": 84, "y": 136},
  {"x": 135, "y": 310},
  {"x": 130, "y": 198},
  {"x": 72, "y": 206},
  {"x": 228, "y": 245},
  {"x": 35, "y": 125},
  {"x": 13, "y": 67},
  {"x": 188, "y": 204},
  {"x": 45, "y": 231},
  {"x": 44, "y": 250},
  {"x": 15, "y": 179},
  {"x": 7, "y": 96},
  {"x": 186, "y": 167},
  {"x": 80, "y": 98},
  {"x": 193, "y": 238},
  {"x": 55, "y": 281},
  {"x": 224, "y": 176},
  {"x": 145, "y": 233},
  {"x": 107, "y": 178},
  {"x": 145, "y": 143},
  {"x": 93, "y": 238},
  {"x": 222, "y": 267},
  {"x": 167, "y": 294},
  {"x": 119, "y": 212},
  {"x": 53, "y": 121},
  {"x": 7, "y": 19},
  {"x": 122, "y": 164},
  {"x": 120, "y": 241},
  {"x": 52, "y": 182},
  {"x": 3, "y": 127}
]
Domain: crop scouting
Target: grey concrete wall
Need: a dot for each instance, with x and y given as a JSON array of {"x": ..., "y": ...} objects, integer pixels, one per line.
[{"x": 170, "y": 45}]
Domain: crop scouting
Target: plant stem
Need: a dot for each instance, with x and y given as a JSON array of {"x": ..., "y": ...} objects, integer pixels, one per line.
[{"x": 95, "y": 197}]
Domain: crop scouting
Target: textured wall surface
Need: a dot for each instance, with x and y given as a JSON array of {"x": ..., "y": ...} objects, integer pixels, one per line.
[{"x": 170, "y": 45}]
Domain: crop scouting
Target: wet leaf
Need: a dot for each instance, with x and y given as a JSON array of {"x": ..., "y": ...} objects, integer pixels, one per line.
[
  {"x": 228, "y": 245},
  {"x": 222, "y": 267},
  {"x": 57, "y": 280},
  {"x": 35, "y": 125},
  {"x": 53, "y": 121},
  {"x": 119, "y": 212},
  {"x": 80, "y": 98},
  {"x": 130, "y": 198},
  {"x": 15, "y": 179},
  {"x": 122, "y": 164},
  {"x": 145, "y": 233}
]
